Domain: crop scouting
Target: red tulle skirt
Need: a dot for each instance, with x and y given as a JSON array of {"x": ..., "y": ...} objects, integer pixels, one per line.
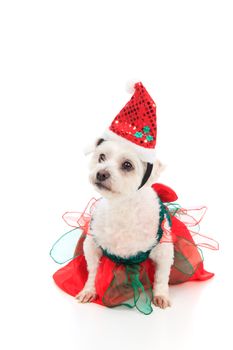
[
  {"x": 110, "y": 282},
  {"x": 72, "y": 277}
]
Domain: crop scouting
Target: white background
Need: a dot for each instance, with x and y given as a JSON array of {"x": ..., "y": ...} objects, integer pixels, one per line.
[{"x": 64, "y": 67}]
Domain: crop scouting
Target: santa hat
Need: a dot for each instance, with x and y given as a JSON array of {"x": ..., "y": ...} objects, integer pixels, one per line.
[{"x": 135, "y": 125}]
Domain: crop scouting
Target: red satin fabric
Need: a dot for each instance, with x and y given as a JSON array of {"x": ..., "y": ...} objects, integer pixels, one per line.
[{"x": 165, "y": 193}]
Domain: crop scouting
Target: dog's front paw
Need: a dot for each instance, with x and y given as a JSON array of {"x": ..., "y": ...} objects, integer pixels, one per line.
[
  {"x": 86, "y": 296},
  {"x": 161, "y": 301}
]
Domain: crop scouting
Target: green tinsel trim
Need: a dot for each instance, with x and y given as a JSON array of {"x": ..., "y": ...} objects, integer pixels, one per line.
[{"x": 135, "y": 259}]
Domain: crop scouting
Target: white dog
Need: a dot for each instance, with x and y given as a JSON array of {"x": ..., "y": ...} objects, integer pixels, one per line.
[{"x": 126, "y": 219}]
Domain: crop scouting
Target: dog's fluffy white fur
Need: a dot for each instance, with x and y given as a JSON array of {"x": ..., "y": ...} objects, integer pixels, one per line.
[{"x": 125, "y": 220}]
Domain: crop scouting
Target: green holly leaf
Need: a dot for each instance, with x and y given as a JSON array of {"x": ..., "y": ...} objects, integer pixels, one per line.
[
  {"x": 146, "y": 129},
  {"x": 149, "y": 138},
  {"x": 138, "y": 134}
]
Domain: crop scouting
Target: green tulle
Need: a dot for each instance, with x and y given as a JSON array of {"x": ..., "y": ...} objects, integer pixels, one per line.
[
  {"x": 140, "y": 291},
  {"x": 173, "y": 208},
  {"x": 63, "y": 249}
]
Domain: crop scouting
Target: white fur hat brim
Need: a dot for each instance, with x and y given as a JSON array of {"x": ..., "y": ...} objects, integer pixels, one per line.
[{"x": 145, "y": 154}]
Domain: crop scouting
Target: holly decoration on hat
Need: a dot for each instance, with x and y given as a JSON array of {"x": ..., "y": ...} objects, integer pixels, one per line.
[
  {"x": 136, "y": 122},
  {"x": 146, "y": 130}
]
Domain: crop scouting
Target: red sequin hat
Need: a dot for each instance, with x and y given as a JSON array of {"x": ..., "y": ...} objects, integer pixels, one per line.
[{"x": 136, "y": 124}]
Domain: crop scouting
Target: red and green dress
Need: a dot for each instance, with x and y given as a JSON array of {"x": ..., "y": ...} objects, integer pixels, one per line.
[{"x": 129, "y": 282}]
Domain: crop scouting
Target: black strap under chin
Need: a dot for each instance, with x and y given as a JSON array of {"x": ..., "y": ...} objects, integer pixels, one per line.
[{"x": 147, "y": 174}]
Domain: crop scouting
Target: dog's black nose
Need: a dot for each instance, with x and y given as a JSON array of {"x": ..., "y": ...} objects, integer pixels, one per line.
[{"x": 102, "y": 175}]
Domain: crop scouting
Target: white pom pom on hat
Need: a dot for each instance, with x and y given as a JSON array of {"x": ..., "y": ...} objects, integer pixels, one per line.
[{"x": 130, "y": 85}]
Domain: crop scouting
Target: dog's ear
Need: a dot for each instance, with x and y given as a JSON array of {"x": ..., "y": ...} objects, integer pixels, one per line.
[
  {"x": 158, "y": 168},
  {"x": 99, "y": 141},
  {"x": 91, "y": 147}
]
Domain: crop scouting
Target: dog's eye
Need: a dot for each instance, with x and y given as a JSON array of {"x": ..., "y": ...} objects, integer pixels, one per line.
[
  {"x": 127, "y": 166},
  {"x": 102, "y": 157}
]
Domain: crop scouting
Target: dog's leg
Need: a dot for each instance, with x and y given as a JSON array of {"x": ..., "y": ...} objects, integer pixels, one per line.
[
  {"x": 162, "y": 255},
  {"x": 92, "y": 255}
]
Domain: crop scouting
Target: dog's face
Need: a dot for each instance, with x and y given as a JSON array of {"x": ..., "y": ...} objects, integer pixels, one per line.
[{"x": 115, "y": 169}]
